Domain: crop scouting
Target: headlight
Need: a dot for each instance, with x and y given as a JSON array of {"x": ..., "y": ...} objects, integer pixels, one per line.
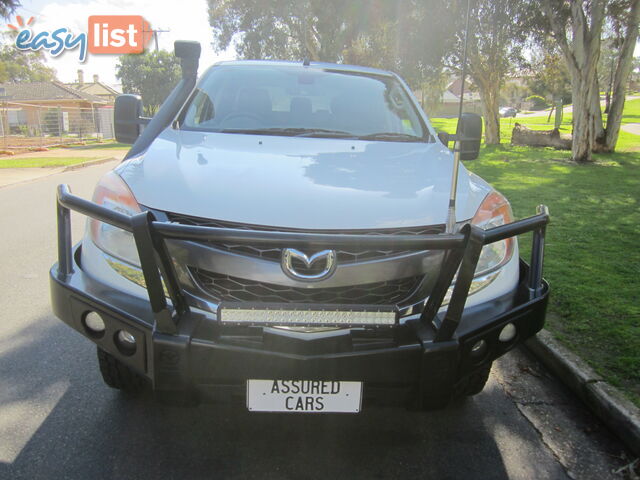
[
  {"x": 113, "y": 193},
  {"x": 494, "y": 211}
]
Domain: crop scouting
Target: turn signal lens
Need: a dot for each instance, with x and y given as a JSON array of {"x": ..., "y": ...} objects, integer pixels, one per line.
[
  {"x": 494, "y": 211},
  {"x": 113, "y": 193}
]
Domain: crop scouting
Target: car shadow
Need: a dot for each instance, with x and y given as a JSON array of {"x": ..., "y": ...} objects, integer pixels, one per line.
[{"x": 95, "y": 432}]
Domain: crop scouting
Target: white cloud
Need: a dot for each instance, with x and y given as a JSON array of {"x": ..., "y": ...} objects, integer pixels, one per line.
[{"x": 186, "y": 21}]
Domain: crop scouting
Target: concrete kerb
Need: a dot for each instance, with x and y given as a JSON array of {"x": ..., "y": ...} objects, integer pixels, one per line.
[
  {"x": 607, "y": 403},
  {"x": 89, "y": 163}
]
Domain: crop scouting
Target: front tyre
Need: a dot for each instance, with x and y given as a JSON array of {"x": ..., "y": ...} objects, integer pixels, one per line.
[
  {"x": 118, "y": 375},
  {"x": 474, "y": 383}
]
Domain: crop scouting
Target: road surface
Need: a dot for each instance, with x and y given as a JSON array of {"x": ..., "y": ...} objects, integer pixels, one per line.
[{"x": 57, "y": 419}]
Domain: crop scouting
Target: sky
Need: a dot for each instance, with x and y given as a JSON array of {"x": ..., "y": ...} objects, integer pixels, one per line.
[{"x": 186, "y": 20}]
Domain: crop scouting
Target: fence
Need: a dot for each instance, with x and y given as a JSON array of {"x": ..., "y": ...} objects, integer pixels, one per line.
[{"x": 27, "y": 126}]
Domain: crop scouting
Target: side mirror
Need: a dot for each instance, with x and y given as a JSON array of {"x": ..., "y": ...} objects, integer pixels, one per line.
[
  {"x": 127, "y": 118},
  {"x": 444, "y": 137},
  {"x": 469, "y": 135}
]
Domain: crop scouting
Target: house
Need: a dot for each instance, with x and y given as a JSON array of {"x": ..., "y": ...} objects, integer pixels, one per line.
[
  {"x": 52, "y": 108},
  {"x": 450, "y": 100},
  {"x": 95, "y": 88}
]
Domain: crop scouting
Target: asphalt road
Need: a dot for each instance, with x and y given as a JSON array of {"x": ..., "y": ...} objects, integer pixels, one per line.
[{"x": 58, "y": 420}]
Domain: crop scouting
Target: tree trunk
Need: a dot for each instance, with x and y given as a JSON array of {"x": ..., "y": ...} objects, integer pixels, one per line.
[
  {"x": 581, "y": 51},
  {"x": 582, "y": 120},
  {"x": 623, "y": 69},
  {"x": 599, "y": 135},
  {"x": 490, "y": 111}
]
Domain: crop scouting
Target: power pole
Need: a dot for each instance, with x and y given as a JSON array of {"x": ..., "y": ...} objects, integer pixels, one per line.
[{"x": 155, "y": 33}]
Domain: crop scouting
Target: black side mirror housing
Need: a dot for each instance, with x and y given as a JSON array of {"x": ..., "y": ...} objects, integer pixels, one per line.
[
  {"x": 127, "y": 118},
  {"x": 469, "y": 136}
]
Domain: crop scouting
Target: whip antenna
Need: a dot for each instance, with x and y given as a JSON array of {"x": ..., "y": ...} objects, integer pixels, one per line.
[{"x": 451, "y": 219}]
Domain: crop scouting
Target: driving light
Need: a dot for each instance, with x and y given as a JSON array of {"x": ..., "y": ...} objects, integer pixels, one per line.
[
  {"x": 479, "y": 349},
  {"x": 113, "y": 193},
  {"x": 311, "y": 317},
  {"x": 93, "y": 323},
  {"x": 126, "y": 338},
  {"x": 507, "y": 333},
  {"x": 125, "y": 342}
]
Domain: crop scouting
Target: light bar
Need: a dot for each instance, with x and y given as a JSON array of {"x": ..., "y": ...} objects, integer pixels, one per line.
[{"x": 305, "y": 317}]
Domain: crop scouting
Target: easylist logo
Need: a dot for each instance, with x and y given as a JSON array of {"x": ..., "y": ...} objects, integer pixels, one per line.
[
  {"x": 107, "y": 34},
  {"x": 118, "y": 34}
]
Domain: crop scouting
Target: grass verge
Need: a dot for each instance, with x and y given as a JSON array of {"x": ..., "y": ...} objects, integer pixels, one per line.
[
  {"x": 40, "y": 162},
  {"x": 592, "y": 258}
]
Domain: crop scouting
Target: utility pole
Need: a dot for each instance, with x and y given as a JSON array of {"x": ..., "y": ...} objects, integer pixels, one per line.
[{"x": 155, "y": 33}]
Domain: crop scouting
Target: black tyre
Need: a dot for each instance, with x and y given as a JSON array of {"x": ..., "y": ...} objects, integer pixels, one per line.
[
  {"x": 474, "y": 383},
  {"x": 117, "y": 375}
]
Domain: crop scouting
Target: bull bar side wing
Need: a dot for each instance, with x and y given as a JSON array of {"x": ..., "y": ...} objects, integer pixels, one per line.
[{"x": 462, "y": 251}]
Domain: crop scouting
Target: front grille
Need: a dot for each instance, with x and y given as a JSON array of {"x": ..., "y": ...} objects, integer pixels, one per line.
[
  {"x": 225, "y": 287},
  {"x": 274, "y": 254}
]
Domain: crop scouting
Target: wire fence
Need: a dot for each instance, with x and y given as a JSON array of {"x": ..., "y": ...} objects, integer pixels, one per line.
[{"x": 25, "y": 126}]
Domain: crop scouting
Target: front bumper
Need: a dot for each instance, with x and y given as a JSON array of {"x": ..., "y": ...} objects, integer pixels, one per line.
[{"x": 187, "y": 353}]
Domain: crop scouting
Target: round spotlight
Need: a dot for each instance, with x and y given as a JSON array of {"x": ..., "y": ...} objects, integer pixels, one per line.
[
  {"x": 507, "y": 333},
  {"x": 125, "y": 342},
  {"x": 94, "y": 324},
  {"x": 479, "y": 349}
]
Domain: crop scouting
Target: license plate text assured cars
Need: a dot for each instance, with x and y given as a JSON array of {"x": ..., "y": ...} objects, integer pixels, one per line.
[{"x": 303, "y": 396}]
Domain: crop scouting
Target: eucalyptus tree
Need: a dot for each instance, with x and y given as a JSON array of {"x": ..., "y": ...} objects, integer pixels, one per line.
[
  {"x": 624, "y": 20},
  {"x": 497, "y": 34}
]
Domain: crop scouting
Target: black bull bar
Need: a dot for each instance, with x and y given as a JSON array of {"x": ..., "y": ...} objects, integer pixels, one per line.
[{"x": 462, "y": 254}]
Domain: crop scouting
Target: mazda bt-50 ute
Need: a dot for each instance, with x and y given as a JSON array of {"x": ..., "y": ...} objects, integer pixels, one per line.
[{"x": 296, "y": 236}]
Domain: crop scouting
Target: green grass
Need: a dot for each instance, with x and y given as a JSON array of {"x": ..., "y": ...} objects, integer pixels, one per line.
[
  {"x": 39, "y": 162},
  {"x": 626, "y": 141},
  {"x": 592, "y": 258},
  {"x": 101, "y": 146}
]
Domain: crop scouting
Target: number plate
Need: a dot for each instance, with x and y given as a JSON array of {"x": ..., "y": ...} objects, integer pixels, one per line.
[{"x": 303, "y": 396}]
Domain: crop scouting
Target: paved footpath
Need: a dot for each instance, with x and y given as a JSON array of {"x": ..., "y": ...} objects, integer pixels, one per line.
[
  {"x": 10, "y": 176},
  {"x": 631, "y": 128}
]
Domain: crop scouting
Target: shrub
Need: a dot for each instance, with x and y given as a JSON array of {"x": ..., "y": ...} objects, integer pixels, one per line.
[{"x": 537, "y": 102}]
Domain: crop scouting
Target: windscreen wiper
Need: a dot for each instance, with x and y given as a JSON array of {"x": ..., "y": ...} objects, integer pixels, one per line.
[
  {"x": 391, "y": 136},
  {"x": 291, "y": 131}
]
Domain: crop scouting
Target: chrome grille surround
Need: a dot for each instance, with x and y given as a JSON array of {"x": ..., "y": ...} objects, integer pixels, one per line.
[
  {"x": 274, "y": 254},
  {"x": 381, "y": 277}
]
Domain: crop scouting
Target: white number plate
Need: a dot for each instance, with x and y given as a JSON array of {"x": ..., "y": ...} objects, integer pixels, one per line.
[{"x": 303, "y": 396}]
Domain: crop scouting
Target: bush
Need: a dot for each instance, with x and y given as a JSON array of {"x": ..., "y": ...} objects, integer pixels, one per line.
[{"x": 537, "y": 102}]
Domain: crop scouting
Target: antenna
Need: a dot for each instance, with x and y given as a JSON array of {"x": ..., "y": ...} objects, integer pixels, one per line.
[{"x": 451, "y": 219}]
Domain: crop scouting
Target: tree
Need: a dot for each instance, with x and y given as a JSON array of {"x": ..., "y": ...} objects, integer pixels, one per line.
[
  {"x": 7, "y": 7},
  {"x": 551, "y": 79},
  {"x": 496, "y": 36},
  {"x": 577, "y": 26},
  {"x": 409, "y": 37},
  {"x": 152, "y": 75},
  {"x": 624, "y": 16},
  {"x": 23, "y": 66},
  {"x": 283, "y": 29}
]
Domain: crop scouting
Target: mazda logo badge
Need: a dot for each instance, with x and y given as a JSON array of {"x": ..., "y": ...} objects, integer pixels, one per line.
[{"x": 327, "y": 258}]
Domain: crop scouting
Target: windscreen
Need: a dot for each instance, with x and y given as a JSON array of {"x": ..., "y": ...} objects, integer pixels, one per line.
[{"x": 294, "y": 101}]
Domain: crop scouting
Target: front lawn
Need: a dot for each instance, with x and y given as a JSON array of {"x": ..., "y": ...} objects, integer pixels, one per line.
[
  {"x": 626, "y": 141},
  {"x": 39, "y": 162},
  {"x": 592, "y": 258}
]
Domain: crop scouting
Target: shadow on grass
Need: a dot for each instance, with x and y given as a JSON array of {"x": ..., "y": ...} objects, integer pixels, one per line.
[{"x": 592, "y": 259}]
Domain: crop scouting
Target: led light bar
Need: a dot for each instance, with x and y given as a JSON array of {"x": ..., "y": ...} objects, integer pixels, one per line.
[{"x": 305, "y": 317}]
